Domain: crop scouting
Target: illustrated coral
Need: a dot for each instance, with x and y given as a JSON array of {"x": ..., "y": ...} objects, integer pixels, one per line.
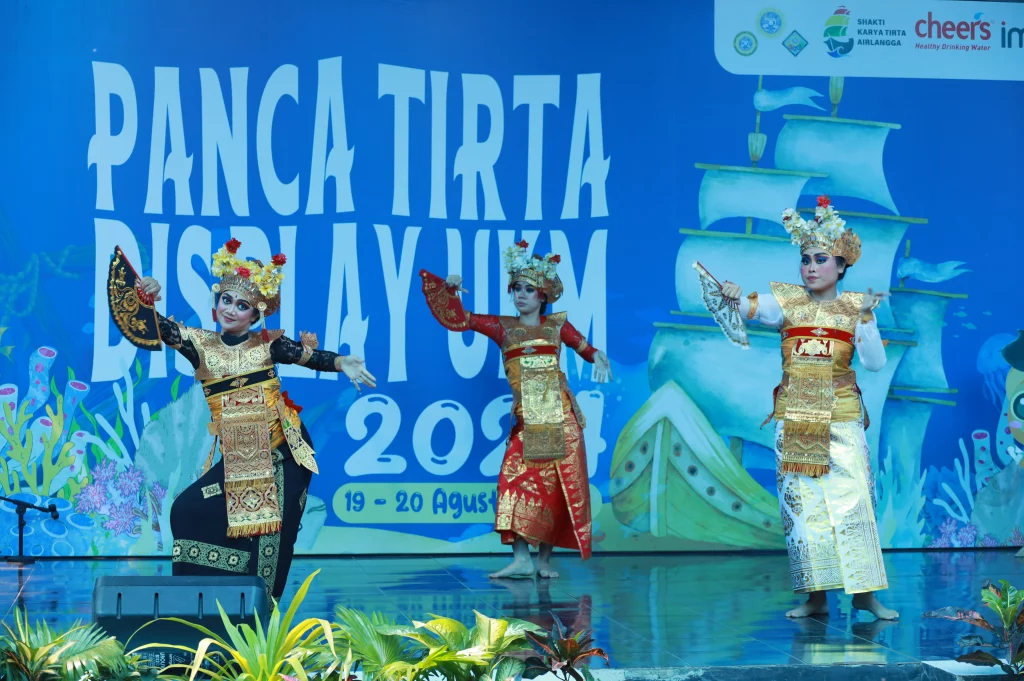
[
  {"x": 901, "y": 503},
  {"x": 954, "y": 535},
  {"x": 172, "y": 451},
  {"x": 35, "y": 455},
  {"x": 963, "y": 474}
]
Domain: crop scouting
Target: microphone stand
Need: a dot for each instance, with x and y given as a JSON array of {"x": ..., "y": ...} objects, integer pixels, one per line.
[{"x": 21, "y": 507}]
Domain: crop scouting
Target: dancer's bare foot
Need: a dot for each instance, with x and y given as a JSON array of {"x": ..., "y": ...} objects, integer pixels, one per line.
[
  {"x": 544, "y": 571},
  {"x": 817, "y": 604},
  {"x": 870, "y": 603},
  {"x": 544, "y": 562},
  {"x": 518, "y": 569}
]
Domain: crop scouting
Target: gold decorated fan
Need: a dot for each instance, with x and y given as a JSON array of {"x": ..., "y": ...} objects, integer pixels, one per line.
[
  {"x": 725, "y": 312},
  {"x": 132, "y": 310}
]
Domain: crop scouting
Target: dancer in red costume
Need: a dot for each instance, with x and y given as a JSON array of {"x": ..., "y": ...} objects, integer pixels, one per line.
[{"x": 543, "y": 487}]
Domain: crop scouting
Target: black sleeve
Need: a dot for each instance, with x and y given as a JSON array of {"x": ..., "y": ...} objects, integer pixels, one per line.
[
  {"x": 171, "y": 335},
  {"x": 284, "y": 350}
]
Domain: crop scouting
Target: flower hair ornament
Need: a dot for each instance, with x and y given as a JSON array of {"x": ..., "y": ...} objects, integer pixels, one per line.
[
  {"x": 260, "y": 283},
  {"x": 541, "y": 273},
  {"x": 826, "y": 231}
]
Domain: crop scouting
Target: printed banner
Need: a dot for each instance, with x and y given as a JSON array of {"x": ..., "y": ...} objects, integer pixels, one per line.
[
  {"x": 871, "y": 38},
  {"x": 370, "y": 140}
]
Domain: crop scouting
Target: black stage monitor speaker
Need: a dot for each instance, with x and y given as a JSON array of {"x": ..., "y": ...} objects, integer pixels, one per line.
[{"x": 120, "y": 605}]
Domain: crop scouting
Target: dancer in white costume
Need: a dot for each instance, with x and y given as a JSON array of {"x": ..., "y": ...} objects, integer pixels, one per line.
[{"x": 826, "y": 486}]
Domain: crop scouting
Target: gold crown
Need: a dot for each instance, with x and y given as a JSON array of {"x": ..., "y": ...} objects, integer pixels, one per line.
[
  {"x": 541, "y": 273},
  {"x": 826, "y": 231},
  {"x": 260, "y": 283}
]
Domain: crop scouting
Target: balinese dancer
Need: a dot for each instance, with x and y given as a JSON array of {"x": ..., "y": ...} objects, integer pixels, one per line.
[
  {"x": 543, "y": 486},
  {"x": 242, "y": 515},
  {"x": 826, "y": 486}
]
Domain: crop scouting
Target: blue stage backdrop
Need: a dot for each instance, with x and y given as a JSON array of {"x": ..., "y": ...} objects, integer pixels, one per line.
[{"x": 370, "y": 139}]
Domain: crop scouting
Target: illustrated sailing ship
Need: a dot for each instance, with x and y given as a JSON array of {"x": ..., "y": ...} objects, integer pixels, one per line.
[{"x": 678, "y": 468}]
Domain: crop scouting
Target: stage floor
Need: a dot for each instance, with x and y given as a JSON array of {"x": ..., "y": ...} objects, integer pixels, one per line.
[{"x": 647, "y": 611}]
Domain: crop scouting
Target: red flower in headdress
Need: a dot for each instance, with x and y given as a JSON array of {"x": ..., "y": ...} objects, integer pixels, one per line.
[
  {"x": 243, "y": 271},
  {"x": 279, "y": 259},
  {"x": 823, "y": 201},
  {"x": 523, "y": 244},
  {"x": 233, "y": 245},
  {"x": 555, "y": 259}
]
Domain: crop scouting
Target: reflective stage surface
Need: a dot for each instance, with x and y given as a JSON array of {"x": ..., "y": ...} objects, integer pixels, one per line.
[{"x": 647, "y": 611}]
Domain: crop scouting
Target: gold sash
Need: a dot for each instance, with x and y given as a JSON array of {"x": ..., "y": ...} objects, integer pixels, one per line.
[
  {"x": 818, "y": 384},
  {"x": 810, "y": 398},
  {"x": 249, "y": 485},
  {"x": 543, "y": 435},
  {"x": 251, "y": 419}
]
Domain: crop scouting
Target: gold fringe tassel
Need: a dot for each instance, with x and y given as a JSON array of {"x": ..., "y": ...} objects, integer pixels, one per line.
[
  {"x": 805, "y": 447},
  {"x": 254, "y": 530},
  {"x": 808, "y": 469}
]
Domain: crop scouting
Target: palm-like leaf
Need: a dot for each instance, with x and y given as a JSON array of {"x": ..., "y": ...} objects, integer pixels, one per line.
[
  {"x": 371, "y": 647},
  {"x": 39, "y": 653},
  {"x": 260, "y": 654}
]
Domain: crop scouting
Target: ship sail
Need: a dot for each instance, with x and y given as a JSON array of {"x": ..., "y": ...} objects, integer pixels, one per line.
[
  {"x": 922, "y": 367},
  {"x": 738, "y": 192},
  {"x": 849, "y": 152}
]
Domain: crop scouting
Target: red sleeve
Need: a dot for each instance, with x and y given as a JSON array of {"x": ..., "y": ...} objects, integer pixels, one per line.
[
  {"x": 447, "y": 308},
  {"x": 489, "y": 325},
  {"x": 575, "y": 340}
]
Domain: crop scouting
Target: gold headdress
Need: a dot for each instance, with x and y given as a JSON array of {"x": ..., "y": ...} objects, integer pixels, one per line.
[
  {"x": 260, "y": 283},
  {"x": 826, "y": 231},
  {"x": 541, "y": 273}
]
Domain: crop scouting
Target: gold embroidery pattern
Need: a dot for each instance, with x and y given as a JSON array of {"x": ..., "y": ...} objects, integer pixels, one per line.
[
  {"x": 250, "y": 422},
  {"x": 248, "y": 464},
  {"x": 524, "y": 487},
  {"x": 211, "y": 490},
  {"x": 218, "y": 360},
  {"x": 270, "y": 544},
  {"x": 136, "y": 320},
  {"x": 572, "y": 471},
  {"x": 209, "y": 555},
  {"x": 537, "y": 385},
  {"x": 547, "y": 421},
  {"x": 301, "y": 451},
  {"x": 829, "y": 521},
  {"x": 445, "y": 307},
  {"x": 814, "y": 391}
]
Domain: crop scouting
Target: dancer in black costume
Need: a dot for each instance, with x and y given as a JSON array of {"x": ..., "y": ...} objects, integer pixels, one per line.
[{"x": 242, "y": 515}]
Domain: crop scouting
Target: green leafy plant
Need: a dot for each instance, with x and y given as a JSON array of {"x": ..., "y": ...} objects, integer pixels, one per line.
[
  {"x": 372, "y": 651},
  {"x": 262, "y": 654},
  {"x": 38, "y": 653},
  {"x": 562, "y": 653},
  {"x": 1008, "y": 603},
  {"x": 446, "y": 647}
]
